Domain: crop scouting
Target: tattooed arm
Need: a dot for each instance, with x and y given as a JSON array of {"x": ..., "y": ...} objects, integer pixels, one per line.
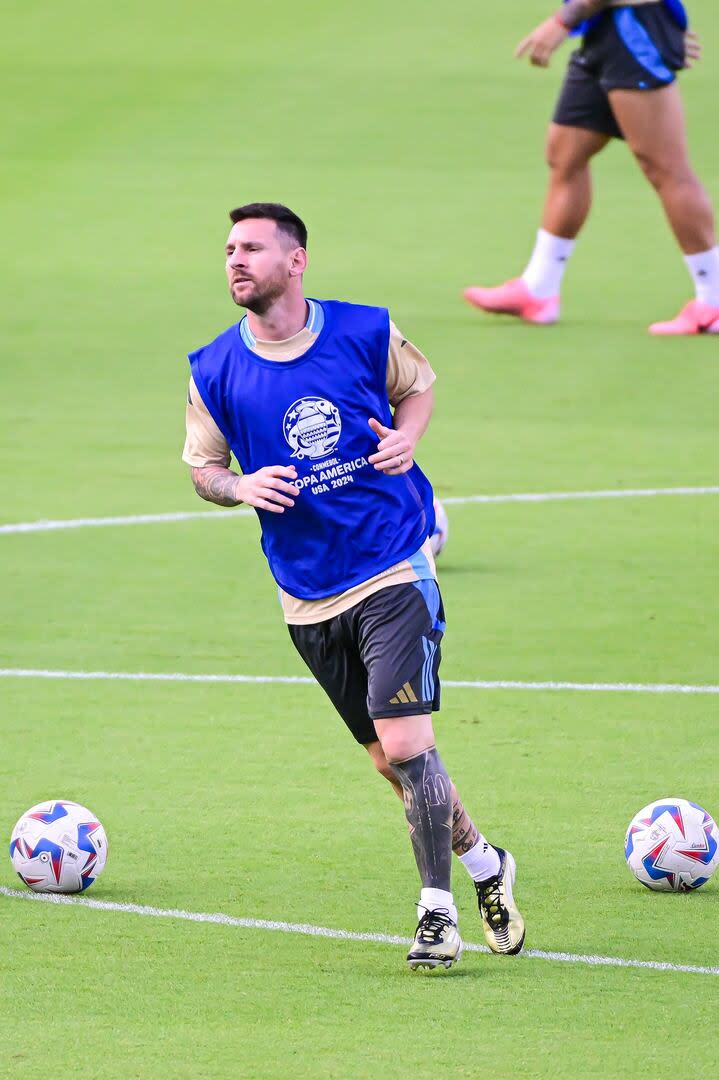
[
  {"x": 265, "y": 489},
  {"x": 549, "y": 35},
  {"x": 576, "y": 11},
  {"x": 216, "y": 484}
]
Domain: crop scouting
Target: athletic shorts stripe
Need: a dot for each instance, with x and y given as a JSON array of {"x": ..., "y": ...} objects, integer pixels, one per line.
[{"x": 640, "y": 45}]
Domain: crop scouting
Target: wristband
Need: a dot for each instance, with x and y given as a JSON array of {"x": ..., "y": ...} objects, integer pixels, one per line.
[{"x": 558, "y": 19}]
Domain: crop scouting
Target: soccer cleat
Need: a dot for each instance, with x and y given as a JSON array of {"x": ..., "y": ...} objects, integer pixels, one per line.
[
  {"x": 436, "y": 941},
  {"x": 514, "y": 298},
  {"x": 694, "y": 318},
  {"x": 502, "y": 923}
]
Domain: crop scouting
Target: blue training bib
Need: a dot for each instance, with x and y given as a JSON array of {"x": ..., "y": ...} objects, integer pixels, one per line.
[{"x": 349, "y": 521}]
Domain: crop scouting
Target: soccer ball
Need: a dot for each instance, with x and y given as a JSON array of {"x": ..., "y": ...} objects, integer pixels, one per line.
[
  {"x": 58, "y": 846},
  {"x": 672, "y": 845},
  {"x": 441, "y": 528}
]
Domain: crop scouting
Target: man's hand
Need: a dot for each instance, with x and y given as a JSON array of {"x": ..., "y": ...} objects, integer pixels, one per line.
[
  {"x": 692, "y": 49},
  {"x": 542, "y": 42},
  {"x": 269, "y": 488},
  {"x": 395, "y": 451},
  {"x": 265, "y": 489}
]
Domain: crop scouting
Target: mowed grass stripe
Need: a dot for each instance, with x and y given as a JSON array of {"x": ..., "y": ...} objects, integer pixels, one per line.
[
  {"x": 453, "y": 500},
  {"x": 470, "y": 684},
  {"x": 308, "y": 929}
]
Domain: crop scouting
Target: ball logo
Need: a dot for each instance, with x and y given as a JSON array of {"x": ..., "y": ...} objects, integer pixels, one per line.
[{"x": 312, "y": 427}]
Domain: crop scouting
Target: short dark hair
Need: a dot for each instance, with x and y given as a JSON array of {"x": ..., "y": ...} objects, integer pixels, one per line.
[{"x": 287, "y": 221}]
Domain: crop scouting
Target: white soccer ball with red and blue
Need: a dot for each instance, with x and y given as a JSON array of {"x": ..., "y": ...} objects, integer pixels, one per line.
[
  {"x": 672, "y": 845},
  {"x": 58, "y": 846},
  {"x": 441, "y": 528}
]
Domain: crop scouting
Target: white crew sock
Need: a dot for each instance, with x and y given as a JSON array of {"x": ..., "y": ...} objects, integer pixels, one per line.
[
  {"x": 481, "y": 861},
  {"x": 431, "y": 899},
  {"x": 545, "y": 269},
  {"x": 704, "y": 269}
]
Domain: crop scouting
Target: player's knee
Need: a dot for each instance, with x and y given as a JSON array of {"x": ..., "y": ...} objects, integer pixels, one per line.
[
  {"x": 564, "y": 156},
  {"x": 663, "y": 172},
  {"x": 655, "y": 171},
  {"x": 402, "y": 745},
  {"x": 403, "y": 737},
  {"x": 380, "y": 762},
  {"x": 387, "y": 772}
]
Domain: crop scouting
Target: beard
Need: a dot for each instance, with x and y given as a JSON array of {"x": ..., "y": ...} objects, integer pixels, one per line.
[{"x": 260, "y": 298}]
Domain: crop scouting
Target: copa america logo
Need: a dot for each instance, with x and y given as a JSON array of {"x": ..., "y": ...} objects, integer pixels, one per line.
[{"x": 312, "y": 427}]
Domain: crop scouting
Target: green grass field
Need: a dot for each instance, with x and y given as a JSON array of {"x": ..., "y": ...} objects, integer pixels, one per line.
[{"x": 411, "y": 143}]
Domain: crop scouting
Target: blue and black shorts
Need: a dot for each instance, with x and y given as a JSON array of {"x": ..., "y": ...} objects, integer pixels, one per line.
[
  {"x": 379, "y": 658},
  {"x": 628, "y": 48}
]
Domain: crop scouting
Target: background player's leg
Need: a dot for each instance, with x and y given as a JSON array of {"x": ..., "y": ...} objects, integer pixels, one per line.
[
  {"x": 569, "y": 151},
  {"x": 534, "y": 295},
  {"x": 653, "y": 125}
]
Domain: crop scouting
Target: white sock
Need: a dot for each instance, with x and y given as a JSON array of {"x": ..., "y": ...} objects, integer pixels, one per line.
[
  {"x": 481, "y": 861},
  {"x": 431, "y": 899},
  {"x": 545, "y": 269},
  {"x": 704, "y": 269}
]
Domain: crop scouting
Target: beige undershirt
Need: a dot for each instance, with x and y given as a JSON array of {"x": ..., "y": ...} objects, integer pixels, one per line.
[{"x": 408, "y": 373}]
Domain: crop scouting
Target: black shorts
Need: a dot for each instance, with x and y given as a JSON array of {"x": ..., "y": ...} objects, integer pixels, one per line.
[
  {"x": 630, "y": 48},
  {"x": 379, "y": 658}
]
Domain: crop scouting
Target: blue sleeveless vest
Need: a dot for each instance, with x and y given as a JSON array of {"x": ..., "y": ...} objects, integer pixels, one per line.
[{"x": 349, "y": 521}]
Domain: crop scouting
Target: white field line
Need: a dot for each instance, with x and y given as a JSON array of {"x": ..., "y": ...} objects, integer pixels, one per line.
[
  {"x": 307, "y": 929},
  {"x": 137, "y": 519},
  {"x": 458, "y": 500},
  {"x": 477, "y": 684},
  {"x": 559, "y": 496}
]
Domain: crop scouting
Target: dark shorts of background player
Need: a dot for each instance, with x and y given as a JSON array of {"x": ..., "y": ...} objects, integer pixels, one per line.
[
  {"x": 379, "y": 658},
  {"x": 637, "y": 48}
]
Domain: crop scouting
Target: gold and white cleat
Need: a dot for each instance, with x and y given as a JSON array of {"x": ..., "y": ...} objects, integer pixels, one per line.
[
  {"x": 502, "y": 923},
  {"x": 436, "y": 941}
]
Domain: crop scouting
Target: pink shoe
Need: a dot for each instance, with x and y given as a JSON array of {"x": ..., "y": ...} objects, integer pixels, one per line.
[
  {"x": 694, "y": 318},
  {"x": 514, "y": 298}
]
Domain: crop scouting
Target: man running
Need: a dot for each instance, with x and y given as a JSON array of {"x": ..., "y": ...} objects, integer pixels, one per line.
[{"x": 302, "y": 392}]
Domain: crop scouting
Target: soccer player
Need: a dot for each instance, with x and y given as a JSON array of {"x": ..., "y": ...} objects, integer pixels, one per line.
[
  {"x": 620, "y": 84},
  {"x": 302, "y": 392}
]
